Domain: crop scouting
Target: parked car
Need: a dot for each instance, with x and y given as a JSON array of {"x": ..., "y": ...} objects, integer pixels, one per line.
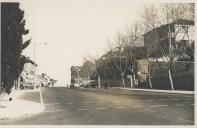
[
  {"x": 88, "y": 83},
  {"x": 72, "y": 85},
  {"x": 76, "y": 85}
]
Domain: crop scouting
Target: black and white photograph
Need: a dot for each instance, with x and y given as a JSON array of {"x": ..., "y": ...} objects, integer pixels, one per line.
[{"x": 97, "y": 63}]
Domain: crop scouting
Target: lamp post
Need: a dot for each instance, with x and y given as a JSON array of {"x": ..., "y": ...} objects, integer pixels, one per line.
[
  {"x": 34, "y": 45},
  {"x": 98, "y": 74},
  {"x": 104, "y": 70}
]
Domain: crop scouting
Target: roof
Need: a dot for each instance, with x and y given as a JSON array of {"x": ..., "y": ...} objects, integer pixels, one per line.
[
  {"x": 179, "y": 21},
  {"x": 76, "y": 67}
]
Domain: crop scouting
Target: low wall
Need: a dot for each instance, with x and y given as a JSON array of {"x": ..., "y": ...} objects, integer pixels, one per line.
[
  {"x": 182, "y": 75},
  {"x": 117, "y": 82}
]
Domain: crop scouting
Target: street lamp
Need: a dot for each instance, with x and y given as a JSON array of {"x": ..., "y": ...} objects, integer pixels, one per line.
[{"x": 34, "y": 45}]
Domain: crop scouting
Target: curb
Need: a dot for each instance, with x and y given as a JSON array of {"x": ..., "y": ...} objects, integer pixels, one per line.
[
  {"x": 20, "y": 108},
  {"x": 145, "y": 90},
  {"x": 161, "y": 91}
]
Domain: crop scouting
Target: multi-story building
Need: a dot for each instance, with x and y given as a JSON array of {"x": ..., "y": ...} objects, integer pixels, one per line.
[
  {"x": 161, "y": 40},
  {"x": 27, "y": 77},
  {"x": 169, "y": 45}
]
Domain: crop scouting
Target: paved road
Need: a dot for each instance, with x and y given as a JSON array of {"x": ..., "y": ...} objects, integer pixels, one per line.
[{"x": 98, "y": 107}]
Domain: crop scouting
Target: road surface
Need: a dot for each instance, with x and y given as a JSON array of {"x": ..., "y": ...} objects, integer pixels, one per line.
[{"x": 66, "y": 106}]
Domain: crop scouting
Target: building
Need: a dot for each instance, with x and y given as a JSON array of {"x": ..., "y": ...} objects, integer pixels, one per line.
[
  {"x": 27, "y": 77},
  {"x": 75, "y": 74},
  {"x": 174, "y": 40},
  {"x": 45, "y": 80},
  {"x": 176, "y": 35}
]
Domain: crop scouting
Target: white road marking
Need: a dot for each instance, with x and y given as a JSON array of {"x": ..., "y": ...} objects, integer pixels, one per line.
[
  {"x": 115, "y": 101},
  {"x": 119, "y": 107},
  {"x": 149, "y": 110},
  {"x": 139, "y": 106},
  {"x": 163, "y": 99},
  {"x": 70, "y": 103},
  {"x": 101, "y": 108},
  {"x": 149, "y": 100},
  {"x": 52, "y": 104},
  {"x": 100, "y": 102},
  {"x": 185, "y": 120},
  {"x": 41, "y": 98},
  {"x": 159, "y": 106},
  {"x": 178, "y": 105},
  {"x": 55, "y": 111},
  {"x": 86, "y": 102},
  {"x": 82, "y": 109},
  {"x": 174, "y": 99},
  {"x": 186, "y": 99},
  {"x": 133, "y": 100},
  {"x": 192, "y": 104}
]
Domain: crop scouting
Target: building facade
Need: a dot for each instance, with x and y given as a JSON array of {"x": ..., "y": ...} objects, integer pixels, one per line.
[
  {"x": 177, "y": 35},
  {"x": 27, "y": 77},
  {"x": 171, "y": 41}
]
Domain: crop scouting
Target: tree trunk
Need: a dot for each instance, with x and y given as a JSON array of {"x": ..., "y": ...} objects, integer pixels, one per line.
[
  {"x": 134, "y": 79},
  {"x": 123, "y": 82},
  {"x": 99, "y": 81},
  {"x": 170, "y": 77},
  {"x": 151, "y": 86},
  {"x": 131, "y": 82},
  {"x": 149, "y": 80},
  {"x": 15, "y": 85}
]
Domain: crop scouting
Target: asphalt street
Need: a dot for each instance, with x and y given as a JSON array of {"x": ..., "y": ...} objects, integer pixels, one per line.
[{"x": 66, "y": 106}]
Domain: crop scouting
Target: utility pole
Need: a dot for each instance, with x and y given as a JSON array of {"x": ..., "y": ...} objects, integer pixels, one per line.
[
  {"x": 98, "y": 75},
  {"x": 34, "y": 45}
]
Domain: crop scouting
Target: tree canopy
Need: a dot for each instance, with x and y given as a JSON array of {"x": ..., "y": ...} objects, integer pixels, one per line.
[{"x": 12, "y": 31}]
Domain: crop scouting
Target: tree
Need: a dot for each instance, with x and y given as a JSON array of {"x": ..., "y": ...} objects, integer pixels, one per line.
[
  {"x": 12, "y": 31},
  {"x": 173, "y": 13},
  {"x": 167, "y": 49},
  {"x": 150, "y": 21},
  {"x": 118, "y": 57},
  {"x": 132, "y": 42},
  {"x": 88, "y": 69}
]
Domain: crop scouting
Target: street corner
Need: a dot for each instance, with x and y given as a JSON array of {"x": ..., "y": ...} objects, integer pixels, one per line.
[
  {"x": 17, "y": 93},
  {"x": 19, "y": 108},
  {"x": 33, "y": 96}
]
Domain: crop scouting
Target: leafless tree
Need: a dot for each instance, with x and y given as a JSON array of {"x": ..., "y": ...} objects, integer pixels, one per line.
[
  {"x": 150, "y": 20},
  {"x": 95, "y": 68},
  {"x": 117, "y": 55},
  {"x": 131, "y": 40},
  {"x": 150, "y": 17},
  {"x": 174, "y": 12},
  {"x": 171, "y": 12},
  {"x": 88, "y": 68}
]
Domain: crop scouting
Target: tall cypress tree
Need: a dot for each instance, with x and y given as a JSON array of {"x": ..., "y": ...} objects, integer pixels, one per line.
[{"x": 12, "y": 30}]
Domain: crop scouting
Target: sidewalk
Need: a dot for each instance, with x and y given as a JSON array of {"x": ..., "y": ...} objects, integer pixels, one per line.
[
  {"x": 160, "y": 91},
  {"x": 17, "y": 107}
]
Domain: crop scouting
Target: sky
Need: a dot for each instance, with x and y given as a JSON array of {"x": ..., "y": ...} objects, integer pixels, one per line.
[{"x": 67, "y": 31}]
